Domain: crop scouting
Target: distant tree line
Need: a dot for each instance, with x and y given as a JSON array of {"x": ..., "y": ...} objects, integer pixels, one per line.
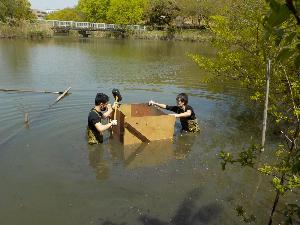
[{"x": 150, "y": 12}]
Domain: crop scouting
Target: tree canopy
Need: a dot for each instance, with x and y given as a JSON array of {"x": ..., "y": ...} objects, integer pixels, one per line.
[
  {"x": 126, "y": 11},
  {"x": 161, "y": 12},
  {"x": 94, "y": 10},
  {"x": 67, "y": 14},
  {"x": 152, "y": 12},
  {"x": 246, "y": 36},
  {"x": 15, "y": 10}
]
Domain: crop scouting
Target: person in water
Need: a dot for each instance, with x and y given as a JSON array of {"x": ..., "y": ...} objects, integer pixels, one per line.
[
  {"x": 183, "y": 111},
  {"x": 95, "y": 127}
]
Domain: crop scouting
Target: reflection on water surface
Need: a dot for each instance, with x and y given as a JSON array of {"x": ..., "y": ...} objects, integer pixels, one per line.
[
  {"x": 49, "y": 175},
  {"x": 132, "y": 157}
]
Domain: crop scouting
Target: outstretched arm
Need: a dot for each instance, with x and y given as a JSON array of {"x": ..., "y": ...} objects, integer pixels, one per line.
[
  {"x": 163, "y": 106},
  {"x": 185, "y": 114}
]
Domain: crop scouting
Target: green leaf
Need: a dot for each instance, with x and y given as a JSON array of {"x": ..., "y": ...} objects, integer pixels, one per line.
[
  {"x": 297, "y": 61},
  {"x": 268, "y": 31},
  {"x": 275, "y": 6},
  {"x": 279, "y": 14},
  {"x": 288, "y": 40},
  {"x": 279, "y": 36},
  {"x": 284, "y": 54}
]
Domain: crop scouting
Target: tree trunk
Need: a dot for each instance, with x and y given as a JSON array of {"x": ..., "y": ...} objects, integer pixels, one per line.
[{"x": 263, "y": 138}]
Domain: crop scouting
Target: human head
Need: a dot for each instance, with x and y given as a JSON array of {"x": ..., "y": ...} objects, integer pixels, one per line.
[
  {"x": 182, "y": 99},
  {"x": 101, "y": 100}
]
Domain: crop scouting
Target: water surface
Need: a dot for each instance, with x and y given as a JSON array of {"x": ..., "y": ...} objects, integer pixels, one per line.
[{"x": 48, "y": 173}]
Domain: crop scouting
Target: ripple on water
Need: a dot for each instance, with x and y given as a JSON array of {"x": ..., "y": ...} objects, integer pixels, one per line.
[{"x": 57, "y": 170}]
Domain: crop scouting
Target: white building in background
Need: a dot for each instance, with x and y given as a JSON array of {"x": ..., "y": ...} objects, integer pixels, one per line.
[
  {"x": 49, "y": 11},
  {"x": 40, "y": 14}
]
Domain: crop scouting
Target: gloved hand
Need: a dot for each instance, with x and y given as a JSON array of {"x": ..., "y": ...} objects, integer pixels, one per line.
[
  {"x": 115, "y": 105},
  {"x": 109, "y": 107},
  {"x": 151, "y": 102},
  {"x": 114, "y": 122}
]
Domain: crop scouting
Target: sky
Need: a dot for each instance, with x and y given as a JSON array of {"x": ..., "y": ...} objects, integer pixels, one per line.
[{"x": 52, "y": 4}]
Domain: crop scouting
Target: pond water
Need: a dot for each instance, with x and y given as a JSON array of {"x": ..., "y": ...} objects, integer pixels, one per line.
[{"x": 49, "y": 175}]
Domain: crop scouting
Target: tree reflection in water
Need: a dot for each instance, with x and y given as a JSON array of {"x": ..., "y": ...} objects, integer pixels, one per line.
[{"x": 188, "y": 213}]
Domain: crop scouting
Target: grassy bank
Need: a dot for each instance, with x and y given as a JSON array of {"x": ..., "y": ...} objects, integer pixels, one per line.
[
  {"x": 25, "y": 30},
  {"x": 178, "y": 35}
]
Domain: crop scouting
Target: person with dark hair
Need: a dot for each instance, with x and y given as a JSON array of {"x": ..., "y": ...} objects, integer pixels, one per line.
[
  {"x": 183, "y": 111},
  {"x": 96, "y": 115}
]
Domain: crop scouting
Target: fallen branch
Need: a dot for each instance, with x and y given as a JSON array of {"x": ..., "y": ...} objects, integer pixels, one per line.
[
  {"x": 28, "y": 90},
  {"x": 61, "y": 96}
]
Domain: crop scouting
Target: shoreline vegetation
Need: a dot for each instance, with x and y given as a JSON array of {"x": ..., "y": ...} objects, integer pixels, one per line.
[
  {"x": 27, "y": 30},
  {"x": 180, "y": 20}
]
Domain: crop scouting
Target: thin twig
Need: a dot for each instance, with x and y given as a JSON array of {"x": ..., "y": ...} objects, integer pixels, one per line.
[{"x": 286, "y": 136}]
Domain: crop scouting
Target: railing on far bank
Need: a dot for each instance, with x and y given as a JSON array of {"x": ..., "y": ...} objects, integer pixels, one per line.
[{"x": 73, "y": 25}]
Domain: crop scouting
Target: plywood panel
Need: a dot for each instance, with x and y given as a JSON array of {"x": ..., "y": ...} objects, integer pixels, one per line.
[
  {"x": 152, "y": 127},
  {"x": 138, "y": 123},
  {"x": 139, "y": 110},
  {"x": 125, "y": 109}
]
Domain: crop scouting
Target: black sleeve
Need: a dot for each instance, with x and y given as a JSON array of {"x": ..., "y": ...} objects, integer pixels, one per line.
[
  {"x": 94, "y": 118},
  {"x": 193, "y": 116},
  {"x": 172, "y": 108},
  {"x": 189, "y": 108}
]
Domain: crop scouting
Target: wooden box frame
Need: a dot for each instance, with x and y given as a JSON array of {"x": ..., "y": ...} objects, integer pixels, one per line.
[{"x": 140, "y": 123}]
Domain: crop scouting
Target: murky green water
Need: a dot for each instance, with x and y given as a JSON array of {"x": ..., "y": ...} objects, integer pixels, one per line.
[{"x": 50, "y": 176}]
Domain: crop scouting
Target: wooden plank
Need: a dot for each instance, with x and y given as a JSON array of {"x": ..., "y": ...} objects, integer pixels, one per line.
[
  {"x": 135, "y": 132},
  {"x": 118, "y": 131},
  {"x": 153, "y": 127}
]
